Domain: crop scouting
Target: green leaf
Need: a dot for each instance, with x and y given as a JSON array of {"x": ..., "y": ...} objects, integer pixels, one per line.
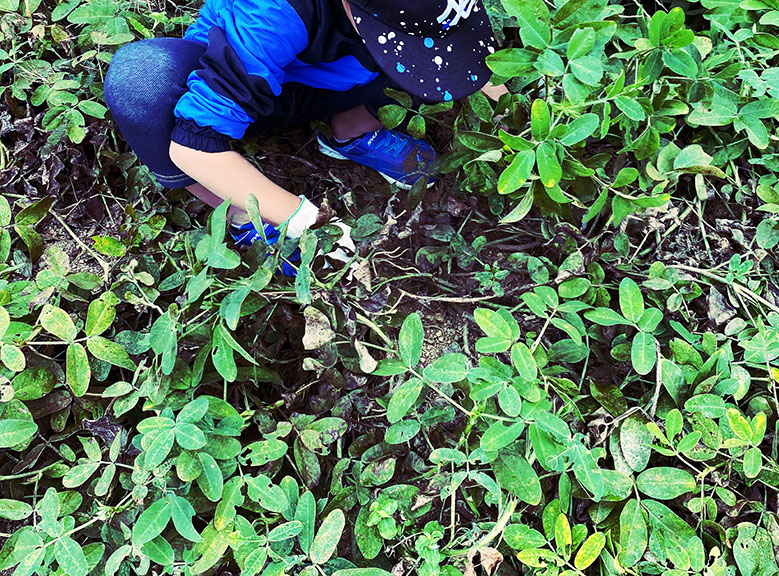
[
  {"x": 305, "y": 513},
  {"x": 267, "y": 494},
  {"x": 523, "y": 207},
  {"x": 211, "y": 480},
  {"x": 391, "y": 115},
  {"x": 625, "y": 177},
  {"x": 518, "y": 478},
  {"x": 549, "y": 169},
  {"x": 633, "y": 536},
  {"x": 33, "y": 383},
  {"x": 580, "y": 129},
  {"x": 631, "y": 302},
  {"x": 159, "y": 449},
  {"x": 498, "y": 435},
  {"x": 549, "y": 63},
  {"x": 402, "y": 399},
  {"x": 630, "y": 108},
  {"x": 70, "y": 556},
  {"x": 524, "y": 362},
  {"x": 635, "y": 441},
  {"x": 56, "y": 321},
  {"x": 768, "y": 234},
  {"x": 665, "y": 483},
  {"x": 691, "y": 156},
  {"x": 9, "y": 5},
  {"x": 151, "y": 522},
  {"x": 517, "y": 173},
  {"x": 79, "y": 474},
  {"x": 680, "y": 62},
  {"x": 159, "y": 551},
  {"x": 520, "y": 537},
  {"x": 756, "y": 130},
  {"x": 32, "y": 240},
  {"x": 753, "y": 462},
  {"x": 606, "y": 317},
  {"x": 34, "y": 213},
  {"x": 739, "y": 424},
  {"x": 587, "y": 70},
  {"x": 14, "y": 509},
  {"x": 111, "y": 352},
  {"x": 189, "y": 436},
  {"x": 410, "y": 340},
  {"x": 101, "y": 314},
  {"x": 540, "y": 120},
  {"x": 16, "y": 432},
  {"x": 254, "y": 561},
  {"x": 416, "y": 126},
  {"x": 710, "y": 405},
  {"x": 401, "y": 432},
  {"x": 77, "y": 370},
  {"x": 643, "y": 353},
  {"x": 13, "y": 357},
  {"x": 109, "y": 246},
  {"x": 327, "y": 538},
  {"x": 589, "y": 551},
  {"x": 285, "y": 531},
  {"x": 492, "y": 323},
  {"x": 230, "y": 309},
  {"x": 163, "y": 338},
  {"x": 534, "y": 21},
  {"x": 449, "y": 368},
  {"x": 115, "y": 560},
  {"x": 92, "y": 108},
  {"x": 222, "y": 355},
  {"x": 182, "y": 513},
  {"x": 582, "y": 41}
]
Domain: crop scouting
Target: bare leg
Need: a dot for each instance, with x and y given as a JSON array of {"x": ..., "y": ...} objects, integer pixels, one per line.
[
  {"x": 202, "y": 193},
  {"x": 354, "y": 123}
]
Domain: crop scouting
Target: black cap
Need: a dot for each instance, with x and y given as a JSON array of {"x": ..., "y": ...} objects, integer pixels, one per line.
[{"x": 432, "y": 49}]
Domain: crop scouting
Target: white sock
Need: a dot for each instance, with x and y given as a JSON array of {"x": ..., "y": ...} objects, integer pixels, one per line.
[{"x": 302, "y": 219}]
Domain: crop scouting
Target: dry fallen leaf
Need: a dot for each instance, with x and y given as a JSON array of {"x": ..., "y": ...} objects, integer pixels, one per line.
[
  {"x": 489, "y": 559},
  {"x": 318, "y": 331}
]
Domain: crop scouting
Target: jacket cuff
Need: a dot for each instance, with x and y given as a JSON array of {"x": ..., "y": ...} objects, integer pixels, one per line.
[{"x": 204, "y": 138}]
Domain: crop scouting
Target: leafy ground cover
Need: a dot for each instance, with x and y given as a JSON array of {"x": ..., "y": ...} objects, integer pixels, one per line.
[{"x": 561, "y": 359}]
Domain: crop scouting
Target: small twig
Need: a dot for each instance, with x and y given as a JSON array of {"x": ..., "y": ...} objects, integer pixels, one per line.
[
  {"x": 519, "y": 247},
  {"x": 743, "y": 290},
  {"x": 452, "y": 299},
  {"x": 658, "y": 384}
]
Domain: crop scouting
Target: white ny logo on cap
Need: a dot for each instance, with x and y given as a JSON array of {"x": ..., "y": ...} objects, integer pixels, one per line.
[{"x": 461, "y": 8}]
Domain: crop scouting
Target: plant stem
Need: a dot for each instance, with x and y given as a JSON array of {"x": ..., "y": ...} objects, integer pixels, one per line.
[{"x": 743, "y": 290}]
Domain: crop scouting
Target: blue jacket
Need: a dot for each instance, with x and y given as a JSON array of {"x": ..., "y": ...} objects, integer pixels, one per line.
[{"x": 253, "y": 48}]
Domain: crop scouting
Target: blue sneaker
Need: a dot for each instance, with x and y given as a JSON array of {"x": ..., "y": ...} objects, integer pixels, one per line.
[
  {"x": 246, "y": 235},
  {"x": 399, "y": 158}
]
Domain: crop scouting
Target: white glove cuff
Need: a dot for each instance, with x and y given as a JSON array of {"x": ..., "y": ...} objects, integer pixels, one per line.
[{"x": 302, "y": 219}]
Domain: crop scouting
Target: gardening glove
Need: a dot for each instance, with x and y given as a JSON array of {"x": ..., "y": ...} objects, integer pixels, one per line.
[{"x": 308, "y": 216}]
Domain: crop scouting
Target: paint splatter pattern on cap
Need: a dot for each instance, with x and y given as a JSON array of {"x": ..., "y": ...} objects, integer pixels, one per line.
[{"x": 434, "y": 50}]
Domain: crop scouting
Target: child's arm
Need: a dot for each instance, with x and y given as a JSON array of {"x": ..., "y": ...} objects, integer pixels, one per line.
[{"x": 230, "y": 175}]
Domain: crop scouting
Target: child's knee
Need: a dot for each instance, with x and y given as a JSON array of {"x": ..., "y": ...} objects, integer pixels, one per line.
[{"x": 140, "y": 80}]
